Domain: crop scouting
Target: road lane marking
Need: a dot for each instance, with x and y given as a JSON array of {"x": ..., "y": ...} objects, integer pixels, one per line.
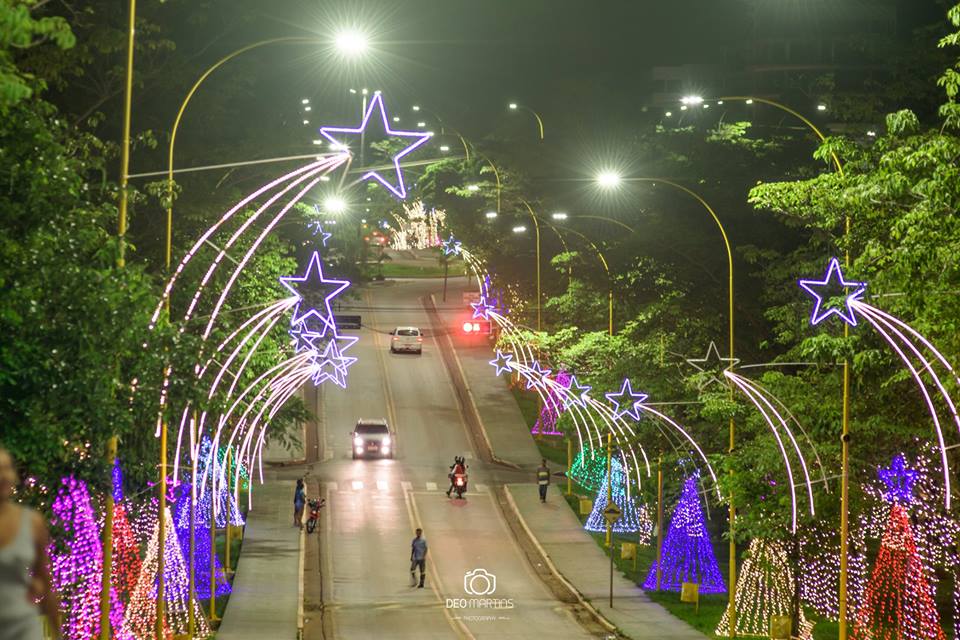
[
  {"x": 482, "y": 488},
  {"x": 381, "y": 485},
  {"x": 385, "y": 377},
  {"x": 431, "y": 486},
  {"x": 357, "y": 485},
  {"x": 407, "y": 486}
]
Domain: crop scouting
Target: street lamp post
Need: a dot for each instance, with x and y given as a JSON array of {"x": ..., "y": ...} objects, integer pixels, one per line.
[{"x": 514, "y": 106}]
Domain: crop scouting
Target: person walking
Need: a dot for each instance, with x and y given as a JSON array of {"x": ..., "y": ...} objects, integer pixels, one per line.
[
  {"x": 418, "y": 558},
  {"x": 24, "y": 565},
  {"x": 299, "y": 501},
  {"x": 543, "y": 479}
]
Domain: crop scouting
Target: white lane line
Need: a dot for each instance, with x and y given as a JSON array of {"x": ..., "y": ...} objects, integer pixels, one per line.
[
  {"x": 381, "y": 485},
  {"x": 407, "y": 486},
  {"x": 357, "y": 485},
  {"x": 481, "y": 487},
  {"x": 431, "y": 486},
  {"x": 332, "y": 486}
]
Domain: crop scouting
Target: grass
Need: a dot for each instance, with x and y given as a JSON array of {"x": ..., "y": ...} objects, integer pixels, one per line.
[
  {"x": 391, "y": 270},
  {"x": 712, "y": 606}
]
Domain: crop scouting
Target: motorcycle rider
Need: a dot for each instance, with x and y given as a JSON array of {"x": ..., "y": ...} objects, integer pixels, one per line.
[{"x": 457, "y": 461}]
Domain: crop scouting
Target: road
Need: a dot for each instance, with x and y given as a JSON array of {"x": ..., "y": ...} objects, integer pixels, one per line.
[{"x": 375, "y": 505}]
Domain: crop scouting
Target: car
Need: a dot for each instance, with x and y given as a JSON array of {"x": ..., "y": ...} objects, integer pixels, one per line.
[
  {"x": 406, "y": 339},
  {"x": 372, "y": 437}
]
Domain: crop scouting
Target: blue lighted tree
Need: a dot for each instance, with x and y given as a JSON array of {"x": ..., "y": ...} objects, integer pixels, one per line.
[
  {"x": 633, "y": 519},
  {"x": 687, "y": 553},
  {"x": 201, "y": 542}
]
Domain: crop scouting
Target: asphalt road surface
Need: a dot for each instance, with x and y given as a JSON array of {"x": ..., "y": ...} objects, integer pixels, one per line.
[{"x": 373, "y": 506}]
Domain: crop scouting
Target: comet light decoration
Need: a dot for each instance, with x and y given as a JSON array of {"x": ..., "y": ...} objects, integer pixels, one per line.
[
  {"x": 76, "y": 560},
  {"x": 898, "y": 601},
  {"x": 451, "y": 246},
  {"x": 765, "y": 588},
  {"x": 418, "y": 138},
  {"x": 626, "y": 402},
  {"x": 535, "y": 374},
  {"x": 314, "y": 293},
  {"x": 712, "y": 365},
  {"x": 634, "y": 518},
  {"x": 921, "y": 358},
  {"x": 687, "y": 551},
  {"x": 546, "y": 424}
]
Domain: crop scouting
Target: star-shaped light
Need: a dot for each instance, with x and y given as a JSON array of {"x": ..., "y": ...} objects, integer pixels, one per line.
[
  {"x": 855, "y": 291},
  {"x": 502, "y": 362},
  {"x": 535, "y": 374},
  {"x": 317, "y": 230},
  {"x": 899, "y": 480},
  {"x": 578, "y": 394},
  {"x": 710, "y": 363},
  {"x": 332, "y": 365},
  {"x": 629, "y": 402},
  {"x": 303, "y": 339},
  {"x": 482, "y": 309},
  {"x": 315, "y": 293},
  {"x": 451, "y": 246},
  {"x": 419, "y": 138}
]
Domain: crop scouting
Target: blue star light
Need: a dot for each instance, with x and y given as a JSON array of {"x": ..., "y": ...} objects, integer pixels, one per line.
[
  {"x": 631, "y": 403},
  {"x": 578, "y": 394},
  {"x": 315, "y": 293},
  {"x": 317, "y": 230},
  {"x": 451, "y": 246},
  {"x": 481, "y": 309},
  {"x": 419, "y": 138},
  {"x": 899, "y": 480},
  {"x": 502, "y": 362},
  {"x": 846, "y": 313},
  {"x": 536, "y": 374}
]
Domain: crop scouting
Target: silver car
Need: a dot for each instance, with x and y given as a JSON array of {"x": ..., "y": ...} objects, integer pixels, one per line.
[{"x": 372, "y": 437}]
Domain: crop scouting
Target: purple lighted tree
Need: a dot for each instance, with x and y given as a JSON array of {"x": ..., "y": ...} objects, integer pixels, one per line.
[
  {"x": 687, "y": 553},
  {"x": 546, "y": 424}
]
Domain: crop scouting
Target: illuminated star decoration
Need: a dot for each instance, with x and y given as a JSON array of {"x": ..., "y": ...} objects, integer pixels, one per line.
[
  {"x": 631, "y": 404},
  {"x": 303, "y": 339},
  {"x": 451, "y": 246},
  {"x": 332, "y": 365},
  {"x": 535, "y": 374},
  {"x": 502, "y": 361},
  {"x": 712, "y": 362},
  {"x": 578, "y": 394},
  {"x": 846, "y": 313},
  {"x": 482, "y": 309},
  {"x": 418, "y": 137},
  {"x": 314, "y": 293},
  {"x": 899, "y": 480},
  {"x": 317, "y": 230}
]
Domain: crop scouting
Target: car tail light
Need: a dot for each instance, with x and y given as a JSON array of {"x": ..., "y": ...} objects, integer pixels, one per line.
[{"x": 419, "y": 339}]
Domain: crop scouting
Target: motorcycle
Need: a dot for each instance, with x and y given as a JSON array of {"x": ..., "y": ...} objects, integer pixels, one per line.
[
  {"x": 315, "y": 506},
  {"x": 460, "y": 484}
]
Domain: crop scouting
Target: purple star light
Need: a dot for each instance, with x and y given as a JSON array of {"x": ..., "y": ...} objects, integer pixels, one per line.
[
  {"x": 400, "y": 191},
  {"x": 578, "y": 394},
  {"x": 899, "y": 480},
  {"x": 451, "y": 246},
  {"x": 481, "y": 309},
  {"x": 535, "y": 374},
  {"x": 317, "y": 230},
  {"x": 833, "y": 272},
  {"x": 502, "y": 362},
  {"x": 632, "y": 406},
  {"x": 315, "y": 293}
]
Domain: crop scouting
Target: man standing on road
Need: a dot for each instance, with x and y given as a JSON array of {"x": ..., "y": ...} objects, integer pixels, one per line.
[
  {"x": 543, "y": 479},
  {"x": 418, "y": 558}
]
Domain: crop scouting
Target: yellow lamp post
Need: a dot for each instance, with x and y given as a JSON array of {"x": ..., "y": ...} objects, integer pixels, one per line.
[{"x": 514, "y": 106}]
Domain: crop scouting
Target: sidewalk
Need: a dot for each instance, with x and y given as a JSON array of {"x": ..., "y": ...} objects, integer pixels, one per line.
[
  {"x": 578, "y": 558},
  {"x": 266, "y": 597}
]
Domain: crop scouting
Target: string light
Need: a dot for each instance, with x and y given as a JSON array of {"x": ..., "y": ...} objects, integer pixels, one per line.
[
  {"x": 633, "y": 518},
  {"x": 546, "y": 424},
  {"x": 764, "y": 588},
  {"x": 589, "y": 468},
  {"x": 201, "y": 548},
  {"x": 687, "y": 553}
]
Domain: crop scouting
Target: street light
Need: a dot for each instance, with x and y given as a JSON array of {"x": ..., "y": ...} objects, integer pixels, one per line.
[
  {"x": 473, "y": 187},
  {"x": 444, "y": 148},
  {"x": 513, "y": 106},
  {"x": 609, "y": 179},
  {"x": 519, "y": 229},
  {"x": 691, "y": 100},
  {"x": 490, "y": 215},
  {"x": 351, "y": 43},
  {"x": 558, "y": 216},
  {"x": 305, "y": 101},
  {"x": 821, "y": 107},
  {"x": 334, "y": 204}
]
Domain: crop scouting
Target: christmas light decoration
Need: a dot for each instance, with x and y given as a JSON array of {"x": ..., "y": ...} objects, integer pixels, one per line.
[
  {"x": 419, "y": 138},
  {"x": 535, "y": 374},
  {"x": 633, "y": 518},
  {"x": 141, "y": 616},
  {"x": 76, "y": 560},
  {"x": 317, "y": 229},
  {"x": 502, "y": 362},
  {"x": 687, "y": 552},
  {"x": 315, "y": 293},
  {"x": 202, "y": 550},
  {"x": 855, "y": 291},
  {"x": 125, "y": 565},
  {"x": 899, "y": 480},
  {"x": 579, "y": 394},
  {"x": 225, "y": 497},
  {"x": 765, "y": 588},
  {"x": 482, "y": 308},
  {"x": 712, "y": 364},
  {"x": 629, "y": 403},
  {"x": 589, "y": 468},
  {"x": 546, "y": 423},
  {"x": 451, "y": 246}
]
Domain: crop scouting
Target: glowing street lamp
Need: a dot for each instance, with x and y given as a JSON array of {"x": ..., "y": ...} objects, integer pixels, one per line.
[
  {"x": 473, "y": 187},
  {"x": 609, "y": 179},
  {"x": 351, "y": 43},
  {"x": 558, "y": 216},
  {"x": 519, "y": 229},
  {"x": 821, "y": 107},
  {"x": 691, "y": 100},
  {"x": 334, "y": 204},
  {"x": 514, "y": 106},
  {"x": 490, "y": 215}
]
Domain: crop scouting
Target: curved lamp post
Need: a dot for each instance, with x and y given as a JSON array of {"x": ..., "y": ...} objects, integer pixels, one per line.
[{"x": 514, "y": 106}]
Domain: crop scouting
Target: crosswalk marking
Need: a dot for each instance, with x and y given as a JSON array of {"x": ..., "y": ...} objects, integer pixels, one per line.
[
  {"x": 406, "y": 486},
  {"x": 431, "y": 486},
  {"x": 357, "y": 485},
  {"x": 381, "y": 485}
]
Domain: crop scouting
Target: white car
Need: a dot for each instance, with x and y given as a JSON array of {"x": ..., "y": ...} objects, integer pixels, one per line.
[
  {"x": 406, "y": 339},
  {"x": 372, "y": 437}
]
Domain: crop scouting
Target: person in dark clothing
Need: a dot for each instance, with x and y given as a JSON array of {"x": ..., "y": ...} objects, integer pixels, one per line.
[
  {"x": 299, "y": 501},
  {"x": 418, "y": 558},
  {"x": 458, "y": 463},
  {"x": 543, "y": 479}
]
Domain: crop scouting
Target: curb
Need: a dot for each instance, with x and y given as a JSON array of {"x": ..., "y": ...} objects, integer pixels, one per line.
[{"x": 599, "y": 617}]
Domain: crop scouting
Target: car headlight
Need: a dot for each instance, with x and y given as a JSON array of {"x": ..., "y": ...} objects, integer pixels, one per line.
[
  {"x": 358, "y": 441},
  {"x": 386, "y": 441}
]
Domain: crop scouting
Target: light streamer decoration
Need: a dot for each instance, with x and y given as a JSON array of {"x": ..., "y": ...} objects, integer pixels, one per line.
[
  {"x": 418, "y": 138},
  {"x": 765, "y": 588},
  {"x": 687, "y": 551},
  {"x": 713, "y": 365},
  {"x": 634, "y": 518},
  {"x": 546, "y": 424},
  {"x": 909, "y": 345}
]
